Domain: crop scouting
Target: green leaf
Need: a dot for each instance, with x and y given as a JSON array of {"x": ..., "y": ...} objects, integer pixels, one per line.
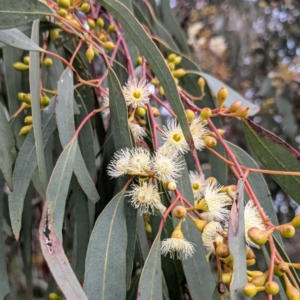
[
  {"x": 197, "y": 270},
  {"x": 170, "y": 22},
  {"x": 257, "y": 183},
  {"x": 154, "y": 58},
  {"x": 15, "y": 12},
  {"x": 66, "y": 127},
  {"x": 105, "y": 269},
  {"x": 150, "y": 285},
  {"x": 216, "y": 84},
  {"x": 237, "y": 245},
  {"x": 275, "y": 154},
  {"x": 4, "y": 285},
  {"x": 50, "y": 229},
  {"x": 34, "y": 78},
  {"x": 25, "y": 166},
  {"x": 7, "y": 148},
  {"x": 15, "y": 38}
]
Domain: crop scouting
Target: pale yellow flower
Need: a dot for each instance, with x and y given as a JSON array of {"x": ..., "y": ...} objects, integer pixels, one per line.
[
  {"x": 119, "y": 164},
  {"x": 198, "y": 184},
  {"x": 181, "y": 248},
  {"x": 136, "y": 93}
]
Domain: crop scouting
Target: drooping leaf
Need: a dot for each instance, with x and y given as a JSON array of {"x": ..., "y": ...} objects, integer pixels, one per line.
[
  {"x": 150, "y": 284},
  {"x": 50, "y": 230},
  {"x": 34, "y": 79},
  {"x": 4, "y": 285},
  {"x": 66, "y": 127},
  {"x": 25, "y": 166},
  {"x": 105, "y": 269},
  {"x": 237, "y": 245},
  {"x": 197, "y": 271},
  {"x": 16, "y": 12},
  {"x": 15, "y": 38},
  {"x": 7, "y": 148},
  {"x": 154, "y": 58},
  {"x": 275, "y": 154}
]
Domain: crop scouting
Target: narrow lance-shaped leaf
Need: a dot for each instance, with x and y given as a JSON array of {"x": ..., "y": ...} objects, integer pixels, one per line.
[
  {"x": 237, "y": 244},
  {"x": 66, "y": 128},
  {"x": 26, "y": 164},
  {"x": 50, "y": 230},
  {"x": 15, "y": 38},
  {"x": 154, "y": 58},
  {"x": 16, "y": 12},
  {"x": 7, "y": 148},
  {"x": 105, "y": 269},
  {"x": 275, "y": 154},
  {"x": 150, "y": 285},
  {"x": 34, "y": 79}
]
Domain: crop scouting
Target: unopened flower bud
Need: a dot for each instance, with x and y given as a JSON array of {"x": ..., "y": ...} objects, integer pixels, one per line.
[
  {"x": 296, "y": 221},
  {"x": 20, "y": 66},
  {"x": 48, "y": 62},
  {"x": 155, "y": 81},
  {"x": 171, "y": 66},
  {"x": 155, "y": 111},
  {"x": 222, "y": 250},
  {"x": 45, "y": 101},
  {"x": 258, "y": 236},
  {"x": 201, "y": 83},
  {"x": 222, "y": 96},
  {"x": 250, "y": 262},
  {"x": 54, "y": 34},
  {"x": 179, "y": 212},
  {"x": 91, "y": 23},
  {"x": 250, "y": 289},
  {"x": 190, "y": 115},
  {"x": 111, "y": 28},
  {"x": 178, "y": 73},
  {"x": 210, "y": 142},
  {"x": 205, "y": 113},
  {"x": 25, "y": 129},
  {"x": 26, "y": 60},
  {"x": 212, "y": 180},
  {"x": 234, "y": 106},
  {"x": 102, "y": 37},
  {"x": 62, "y": 12},
  {"x": 27, "y": 99},
  {"x": 142, "y": 122},
  {"x": 28, "y": 120},
  {"x": 291, "y": 292},
  {"x": 249, "y": 253},
  {"x": 140, "y": 111},
  {"x": 85, "y": 7},
  {"x": 271, "y": 288},
  {"x": 242, "y": 112},
  {"x": 254, "y": 273},
  {"x": 21, "y": 96},
  {"x": 281, "y": 268},
  {"x": 199, "y": 224},
  {"x": 148, "y": 228},
  {"x": 177, "y": 60},
  {"x": 221, "y": 131},
  {"x": 108, "y": 46},
  {"x": 139, "y": 60},
  {"x": 171, "y": 57},
  {"x": 89, "y": 54},
  {"x": 226, "y": 277},
  {"x": 287, "y": 230},
  {"x": 171, "y": 186},
  {"x": 100, "y": 23},
  {"x": 260, "y": 279},
  {"x": 161, "y": 91},
  {"x": 64, "y": 3}
]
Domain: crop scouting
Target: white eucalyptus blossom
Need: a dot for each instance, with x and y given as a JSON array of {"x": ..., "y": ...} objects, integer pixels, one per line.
[
  {"x": 138, "y": 131},
  {"x": 198, "y": 131},
  {"x": 136, "y": 93},
  {"x": 198, "y": 184},
  {"x": 211, "y": 235},
  {"x": 177, "y": 247},
  {"x": 105, "y": 102},
  {"x": 139, "y": 161},
  {"x": 119, "y": 164},
  {"x": 218, "y": 45}
]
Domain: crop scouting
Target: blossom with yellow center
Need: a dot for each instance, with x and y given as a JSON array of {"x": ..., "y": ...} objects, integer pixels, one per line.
[
  {"x": 198, "y": 184},
  {"x": 119, "y": 164},
  {"x": 252, "y": 218},
  {"x": 136, "y": 93},
  {"x": 174, "y": 137}
]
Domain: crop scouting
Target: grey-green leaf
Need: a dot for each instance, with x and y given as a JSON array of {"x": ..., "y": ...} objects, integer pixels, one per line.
[
  {"x": 15, "y": 12},
  {"x": 154, "y": 58},
  {"x": 34, "y": 79},
  {"x": 150, "y": 285},
  {"x": 105, "y": 267},
  {"x": 7, "y": 148},
  {"x": 25, "y": 166},
  {"x": 15, "y": 38},
  {"x": 237, "y": 245}
]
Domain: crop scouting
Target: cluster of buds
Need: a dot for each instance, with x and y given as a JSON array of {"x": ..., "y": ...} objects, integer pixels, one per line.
[{"x": 23, "y": 66}]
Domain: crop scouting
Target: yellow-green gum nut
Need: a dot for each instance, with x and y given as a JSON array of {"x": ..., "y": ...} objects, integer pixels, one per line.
[
  {"x": 222, "y": 96},
  {"x": 85, "y": 7},
  {"x": 154, "y": 81},
  {"x": 179, "y": 212},
  {"x": 226, "y": 277},
  {"x": 205, "y": 113},
  {"x": 28, "y": 120},
  {"x": 108, "y": 46},
  {"x": 250, "y": 262},
  {"x": 234, "y": 106},
  {"x": 91, "y": 23},
  {"x": 258, "y": 236},
  {"x": 296, "y": 221},
  {"x": 281, "y": 268},
  {"x": 27, "y": 99},
  {"x": 271, "y": 288},
  {"x": 178, "y": 73},
  {"x": 210, "y": 142},
  {"x": 100, "y": 23},
  {"x": 25, "y": 129},
  {"x": 171, "y": 57},
  {"x": 140, "y": 111},
  {"x": 139, "y": 61},
  {"x": 222, "y": 250},
  {"x": 177, "y": 60},
  {"x": 171, "y": 66},
  {"x": 242, "y": 112},
  {"x": 45, "y": 101},
  {"x": 20, "y": 66},
  {"x": 161, "y": 91},
  {"x": 111, "y": 28},
  {"x": 48, "y": 62},
  {"x": 62, "y": 12},
  {"x": 148, "y": 228},
  {"x": 260, "y": 280},
  {"x": 54, "y": 34},
  {"x": 201, "y": 83},
  {"x": 21, "y": 96},
  {"x": 26, "y": 60},
  {"x": 250, "y": 289},
  {"x": 64, "y": 3},
  {"x": 90, "y": 53},
  {"x": 287, "y": 230},
  {"x": 190, "y": 115}
]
